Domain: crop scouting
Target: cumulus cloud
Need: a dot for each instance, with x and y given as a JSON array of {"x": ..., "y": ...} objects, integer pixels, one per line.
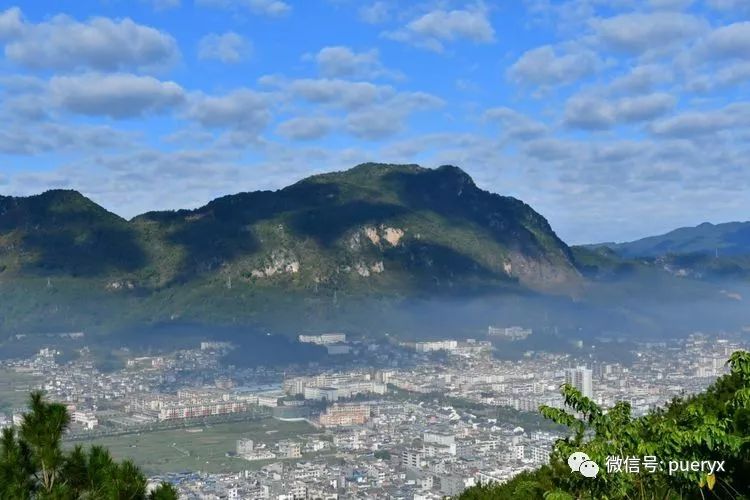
[
  {"x": 637, "y": 33},
  {"x": 115, "y": 95},
  {"x": 670, "y": 4},
  {"x": 305, "y": 128},
  {"x": 11, "y": 24},
  {"x": 338, "y": 92},
  {"x": 386, "y": 119},
  {"x": 548, "y": 66},
  {"x": 51, "y": 137},
  {"x": 242, "y": 109},
  {"x": 228, "y": 47},
  {"x": 515, "y": 125},
  {"x": 343, "y": 62},
  {"x": 270, "y": 8},
  {"x": 727, "y": 42},
  {"x": 641, "y": 79},
  {"x": 433, "y": 29},
  {"x": 729, "y": 5},
  {"x": 375, "y": 13},
  {"x": 101, "y": 44},
  {"x": 548, "y": 149},
  {"x": 591, "y": 112},
  {"x": 693, "y": 124}
]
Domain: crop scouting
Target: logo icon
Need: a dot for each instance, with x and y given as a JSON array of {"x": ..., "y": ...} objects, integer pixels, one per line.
[{"x": 580, "y": 462}]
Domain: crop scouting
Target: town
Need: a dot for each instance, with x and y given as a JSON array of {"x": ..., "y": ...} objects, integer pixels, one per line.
[{"x": 424, "y": 420}]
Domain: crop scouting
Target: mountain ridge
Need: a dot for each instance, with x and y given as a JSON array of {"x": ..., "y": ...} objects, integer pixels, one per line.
[
  {"x": 373, "y": 230},
  {"x": 725, "y": 239}
]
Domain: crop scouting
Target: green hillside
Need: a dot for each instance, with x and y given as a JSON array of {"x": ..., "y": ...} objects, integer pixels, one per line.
[
  {"x": 723, "y": 240},
  {"x": 395, "y": 231}
]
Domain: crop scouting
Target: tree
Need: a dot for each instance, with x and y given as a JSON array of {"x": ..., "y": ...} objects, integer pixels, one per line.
[
  {"x": 713, "y": 425},
  {"x": 33, "y": 465},
  {"x": 165, "y": 491}
]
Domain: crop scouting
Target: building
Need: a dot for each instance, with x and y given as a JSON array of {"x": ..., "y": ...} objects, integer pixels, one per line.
[
  {"x": 437, "y": 437},
  {"x": 452, "y": 485},
  {"x": 581, "y": 379},
  {"x": 245, "y": 446},
  {"x": 289, "y": 449},
  {"x": 345, "y": 415},
  {"x": 87, "y": 418},
  {"x": 270, "y": 399},
  {"x": 215, "y": 346},
  {"x": 509, "y": 333},
  {"x": 321, "y": 393},
  {"x": 412, "y": 459},
  {"x": 323, "y": 339},
  {"x": 438, "y": 345}
]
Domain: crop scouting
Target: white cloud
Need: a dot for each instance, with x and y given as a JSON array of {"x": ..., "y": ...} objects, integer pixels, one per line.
[
  {"x": 270, "y": 8},
  {"x": 691, "y": 124},
  {"x": 637, "y": 33},
  {"x": 388, "y": 118},
  {"x": 51, "y": 137},
  {"x": 548, "y": 149},
  {"x": 591, "y": 112},
  {"x": 670, "y": 4},
  {"x": 434, "y": 29},
  {"x": 727, "y": 42},
  {"x": 305, "y": 128},
  {"x": 644, "y": 107},
  {"x": 114, "y": 95},
  {"x": 515, "y": 125},
  {"x": 641, "y": 79},
  {"x": 343, "y": 62},
  {"x": 338, "y": 92},
  {"x": 729, "y": 5},
  {"x": 62, "y": 43},
  {"x": 11, "y": 24},
  {"x": 549, "y": 66},
  {"x": 375, "y": 13},
  {"x": 228, "y": 47},
  {"x": 243, "y": 109}
]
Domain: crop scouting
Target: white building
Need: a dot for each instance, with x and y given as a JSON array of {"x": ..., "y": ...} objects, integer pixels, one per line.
[
  {"x": 245, "y": 446},
  {"x": 438, "y": 345},
  {"x": 580, "y": 378},
  {"x": 87, "y": 418}
]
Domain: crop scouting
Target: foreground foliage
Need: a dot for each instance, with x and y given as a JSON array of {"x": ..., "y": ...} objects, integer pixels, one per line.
[
  {"x": 33, "y": 465},
  {"x": 713, "y": 425}
]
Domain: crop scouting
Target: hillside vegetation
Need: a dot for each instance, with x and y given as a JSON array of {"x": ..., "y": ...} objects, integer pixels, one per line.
[
  {"x": 711, "y": 426},
  {"x": 372, "y": 231}
]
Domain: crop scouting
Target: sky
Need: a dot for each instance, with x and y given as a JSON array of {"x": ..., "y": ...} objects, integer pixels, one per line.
[{"x": 615, "y": 119}]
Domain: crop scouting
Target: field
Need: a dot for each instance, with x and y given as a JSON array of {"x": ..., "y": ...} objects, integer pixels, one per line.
[
  {"x": 200, "y": 448},
  {"x": 15, "y": 389}
]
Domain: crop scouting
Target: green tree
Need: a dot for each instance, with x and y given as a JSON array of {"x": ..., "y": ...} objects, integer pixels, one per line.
[
  {"x": 34, "y": 466},
  {"x": 713, "y": 425}
]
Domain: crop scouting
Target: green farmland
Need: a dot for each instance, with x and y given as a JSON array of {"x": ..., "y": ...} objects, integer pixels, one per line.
[{"x": 198, "y": 448}]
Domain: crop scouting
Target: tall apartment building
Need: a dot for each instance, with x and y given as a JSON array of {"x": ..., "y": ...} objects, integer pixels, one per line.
[{"x": 581, "y": 379}]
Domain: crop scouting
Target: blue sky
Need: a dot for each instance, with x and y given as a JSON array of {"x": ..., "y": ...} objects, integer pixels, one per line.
[{"x": 615, "y": 119}]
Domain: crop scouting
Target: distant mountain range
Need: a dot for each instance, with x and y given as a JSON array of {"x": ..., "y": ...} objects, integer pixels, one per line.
[
  {"x": 372, "y": 248},
  {"x": 728, "y": 239}
]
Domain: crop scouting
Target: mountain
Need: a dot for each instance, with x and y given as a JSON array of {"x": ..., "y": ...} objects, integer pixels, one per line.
[
  {"x": 396, "y": 231},
  {"x": 728, "y": 239}
]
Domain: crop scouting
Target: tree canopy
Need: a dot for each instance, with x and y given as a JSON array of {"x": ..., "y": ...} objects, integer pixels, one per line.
[
  {"x": 708, "y": 427},
  {"x": 34, "y": 465}
]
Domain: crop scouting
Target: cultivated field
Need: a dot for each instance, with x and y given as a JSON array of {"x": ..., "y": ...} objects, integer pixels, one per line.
[{"x": 200, "y": 448}]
